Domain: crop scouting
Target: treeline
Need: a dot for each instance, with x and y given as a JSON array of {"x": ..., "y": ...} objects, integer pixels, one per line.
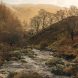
[{"x": 45, "y": 19}]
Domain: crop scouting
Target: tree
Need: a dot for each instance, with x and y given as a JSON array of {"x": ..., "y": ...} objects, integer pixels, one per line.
[
  {"x": 35, "y": 23},
  {"x": 43, "y": 15},
  {"x": 42, "y": 20},
  {"x": 60, "y": 15},
  {"x": 73, "y": 11},
  {"x": 71, "y": 25},
  {"x": 50, "y": 19},
  {"x": 10, "y": 26}
]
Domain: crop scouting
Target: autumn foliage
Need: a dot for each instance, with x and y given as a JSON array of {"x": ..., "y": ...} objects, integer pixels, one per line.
[{"x": 10, "y": 27}]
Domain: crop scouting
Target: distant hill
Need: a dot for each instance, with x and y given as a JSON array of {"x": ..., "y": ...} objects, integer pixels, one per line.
[{"x": 26, "y": 11}]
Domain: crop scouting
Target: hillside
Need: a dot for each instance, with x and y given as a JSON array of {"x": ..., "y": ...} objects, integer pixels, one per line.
[{"x": 57, "y": 35}]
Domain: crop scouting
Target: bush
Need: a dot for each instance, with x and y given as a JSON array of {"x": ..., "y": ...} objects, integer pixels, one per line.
[
  {"x": 4, "y": 51},
  {"x": 75, "y": 60},
  {"x": 54, "y": 61},
  {"x": 43, "y": 45},
  {"x": 15, "y": 55},
  {"x": 1, "y": 61},
  {"x": 29, "y": 53},
  {"x": 25, "y": 75}
]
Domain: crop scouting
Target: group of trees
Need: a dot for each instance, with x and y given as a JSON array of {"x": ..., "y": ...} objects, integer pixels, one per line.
[
  {"x": 10, "y": 27},
  {"x": 11, "y": 33},
  {"x": 45, "y": 19}
]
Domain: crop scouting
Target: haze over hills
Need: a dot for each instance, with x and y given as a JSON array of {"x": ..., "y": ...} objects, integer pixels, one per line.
[{"x": 26, "y": 11}]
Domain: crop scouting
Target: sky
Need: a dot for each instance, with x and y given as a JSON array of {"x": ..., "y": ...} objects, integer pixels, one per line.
[{"x": 63, "y": 3}]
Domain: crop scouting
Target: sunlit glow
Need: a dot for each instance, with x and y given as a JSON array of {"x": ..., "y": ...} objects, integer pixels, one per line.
[{"x": 63, "y": 3}]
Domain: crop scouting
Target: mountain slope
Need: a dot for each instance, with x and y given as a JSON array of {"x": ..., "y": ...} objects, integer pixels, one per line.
[{"x": 55, "y": 33}]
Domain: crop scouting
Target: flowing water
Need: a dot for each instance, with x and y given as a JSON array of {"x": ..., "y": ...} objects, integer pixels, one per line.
[{"x": 36, "y": 64}]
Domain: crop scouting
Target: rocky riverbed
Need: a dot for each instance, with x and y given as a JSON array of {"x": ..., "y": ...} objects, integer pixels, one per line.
[{"x": 43, "y": 63}]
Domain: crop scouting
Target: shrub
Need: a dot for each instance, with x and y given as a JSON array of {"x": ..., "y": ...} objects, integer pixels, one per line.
[
  {"x": 29, "y": 53},
  {"x": 15, "y": 55},
  {"x": 1, "y": 60},
  {"x": 54, "y": 61},
  {"x": 4, "y": 51},
  {"x": 43, "y": 45},
  {"x": 75, "y": 60},
  {"x": 25, "y": 75}
]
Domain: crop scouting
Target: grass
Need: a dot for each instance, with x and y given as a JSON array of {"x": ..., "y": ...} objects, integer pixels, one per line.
[{"x": 25, "y": 75}]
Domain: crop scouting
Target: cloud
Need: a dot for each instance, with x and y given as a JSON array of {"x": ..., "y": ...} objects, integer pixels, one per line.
[
  {"x": 67, "y": 3},
  {"x": 13, "y": 1}
]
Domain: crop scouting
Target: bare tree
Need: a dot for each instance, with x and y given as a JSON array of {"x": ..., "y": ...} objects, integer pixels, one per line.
[
  {"x": 60, "y": 15},
  {"x": 43, "y": 15},
  {"x": 50, "y": 17},
  {"x": 73, "y": 11},
  {"x": 35, "y": 23},
  {"x": 71, "y": 26}
]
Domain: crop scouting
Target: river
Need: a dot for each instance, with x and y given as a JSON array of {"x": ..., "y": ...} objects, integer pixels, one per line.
[{"x": 36, "y": 64}]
